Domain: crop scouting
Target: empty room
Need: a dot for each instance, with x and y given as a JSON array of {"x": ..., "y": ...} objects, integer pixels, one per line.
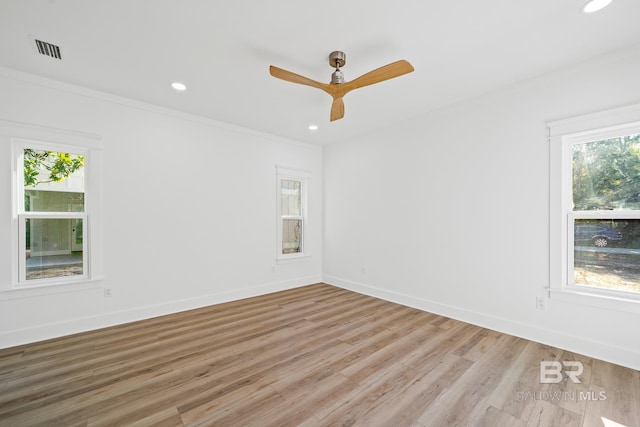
[{"x": 285, "y": 213}]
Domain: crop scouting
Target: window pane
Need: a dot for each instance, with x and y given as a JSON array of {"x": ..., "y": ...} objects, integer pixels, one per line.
[
  {"x": 607, "y": 254},
  {"x": 606, "y": 174},
  {"x": 291, "y": 236},
  {"x": 291, "y": 197},
  {"x": 53, "y": 201},
  {"x": 54, "y": 247},
  {"x": 53, "y": 181}
]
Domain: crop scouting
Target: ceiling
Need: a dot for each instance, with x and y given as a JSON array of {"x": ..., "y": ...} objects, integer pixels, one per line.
[{"x": 222, "y": 51}]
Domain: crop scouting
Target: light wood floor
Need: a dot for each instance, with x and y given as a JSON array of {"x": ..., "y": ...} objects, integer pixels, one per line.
[{"x": 312, "y": 356}]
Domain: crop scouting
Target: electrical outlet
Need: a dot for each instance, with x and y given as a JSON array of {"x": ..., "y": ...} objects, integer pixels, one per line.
[
  {"x": 541, "y": 303},
  {"x": 107, "y": 292}
]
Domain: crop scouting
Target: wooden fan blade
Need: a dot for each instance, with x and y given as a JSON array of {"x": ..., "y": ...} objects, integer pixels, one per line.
[
  {"x": 337, "y": 109},
  {"x": 389, "y": 71},
  {"x": 296, "y": 78}
]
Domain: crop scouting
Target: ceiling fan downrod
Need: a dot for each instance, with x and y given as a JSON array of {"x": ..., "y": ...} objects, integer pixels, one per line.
[{"x": 337, "y": 59}]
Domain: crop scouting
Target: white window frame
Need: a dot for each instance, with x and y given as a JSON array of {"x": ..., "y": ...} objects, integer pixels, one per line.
[
  {"x": 563, "y": 135},
  {"x": 284, "y": 173},
  {"x": 23, "y": 136}
]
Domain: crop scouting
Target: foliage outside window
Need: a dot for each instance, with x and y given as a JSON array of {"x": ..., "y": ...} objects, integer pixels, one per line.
[
  {"x": 52, "y": 216},
  {"x": 604, "y": 218}
]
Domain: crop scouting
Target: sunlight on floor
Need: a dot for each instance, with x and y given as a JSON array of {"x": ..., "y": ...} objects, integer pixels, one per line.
[{"x": 608, "y": 423}]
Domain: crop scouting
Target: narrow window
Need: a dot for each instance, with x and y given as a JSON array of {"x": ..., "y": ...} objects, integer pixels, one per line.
[{"x": 292, "y": 219}]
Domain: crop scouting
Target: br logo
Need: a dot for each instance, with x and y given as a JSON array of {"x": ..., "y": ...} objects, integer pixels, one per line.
[{"x": 551, "y": 372}]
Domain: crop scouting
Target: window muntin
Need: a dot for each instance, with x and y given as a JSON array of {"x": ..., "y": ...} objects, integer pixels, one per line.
[
  {"x": 52, "y": 214},
  {"x": 603, "y": 213}
]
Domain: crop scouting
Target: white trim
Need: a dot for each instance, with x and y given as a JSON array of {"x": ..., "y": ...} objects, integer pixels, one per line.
[
  {"x": 37, "y": 133},
  {"x": 139, "y": 105},
  {"x": 59, "y": 287},
  {"x": 292, "y": 258},
  {"x": 22, "y": 135},
  {"x": 293, "y": 172},
  {"x": 592, "y": 123},
  {"x": 629, "y": 357},
  {"x": 46, "y": 331},
  {"x": 563, "y": 134},
  {"x": 612, "y": 214},
  {"x": 303, "y": 176},
  {"x": 599, "y": 298}
]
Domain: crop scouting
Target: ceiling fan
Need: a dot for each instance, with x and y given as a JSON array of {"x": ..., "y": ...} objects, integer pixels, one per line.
[{"x": 338, "y": 88}]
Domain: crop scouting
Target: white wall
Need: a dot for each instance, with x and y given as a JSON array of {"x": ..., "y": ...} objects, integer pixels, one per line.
[
  {"x": 189, "y": 211},
  {"x": 449, "y": 211}
]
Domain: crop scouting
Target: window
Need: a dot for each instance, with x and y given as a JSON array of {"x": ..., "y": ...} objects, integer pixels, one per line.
[
  {"x": 292, "y": 218},
  {"x": 51, "y": 213},
  {"x": 55, "y": 205},
  {"x": 595, "y": 205},
  {"x": 605, "y": 214}
]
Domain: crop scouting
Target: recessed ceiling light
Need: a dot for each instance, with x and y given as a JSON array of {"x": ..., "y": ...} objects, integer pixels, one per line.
[
  {"x": 313, "y": 127},
  {"x": 595, "y": 5},
  {"x": 178, "y": 86}
]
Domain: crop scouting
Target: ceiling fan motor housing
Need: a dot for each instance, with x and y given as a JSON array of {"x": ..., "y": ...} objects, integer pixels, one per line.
[
  {"x": 337, "y": 77},
  {"x": 337, "y": 59}
]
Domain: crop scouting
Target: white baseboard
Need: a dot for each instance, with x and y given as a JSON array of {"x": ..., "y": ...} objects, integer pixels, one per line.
[
  {"x": 610, "y": 353},
  {"x": 54, "y": 330}
]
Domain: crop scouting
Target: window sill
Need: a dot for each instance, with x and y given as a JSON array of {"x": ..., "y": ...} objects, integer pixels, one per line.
[
  {"x": 609, "y": 300},
  {"x": 293, "y": 258},
  {"x": 26, "y": 291}
]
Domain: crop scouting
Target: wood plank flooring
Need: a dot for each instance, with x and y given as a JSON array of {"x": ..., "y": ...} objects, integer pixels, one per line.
[{"x": 311, "y": 356}]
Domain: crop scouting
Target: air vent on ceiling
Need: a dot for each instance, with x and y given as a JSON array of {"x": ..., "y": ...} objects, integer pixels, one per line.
[{"x": 48, "y": 49}]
